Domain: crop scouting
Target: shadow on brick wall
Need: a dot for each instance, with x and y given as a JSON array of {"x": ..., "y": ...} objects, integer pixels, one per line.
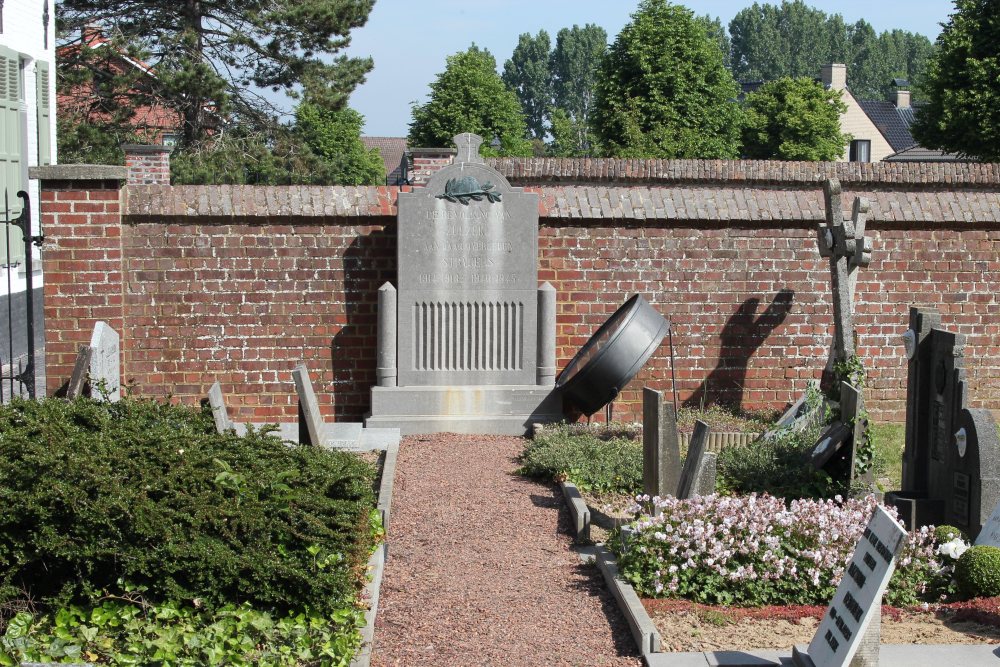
[
  {"x": 743, "y": 333},
  {"x": 369, "y": 261}
]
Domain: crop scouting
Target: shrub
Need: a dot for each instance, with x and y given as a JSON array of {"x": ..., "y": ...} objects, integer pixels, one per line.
[
  {"x": 754, "y": 550},
  {"x": 604, "y": 460},
  {"x": 778, "y": 466},
  {"x": 96, "y": 494},
  {"x": 978, "y": 571},
  {"x": 946, "y": 533}
]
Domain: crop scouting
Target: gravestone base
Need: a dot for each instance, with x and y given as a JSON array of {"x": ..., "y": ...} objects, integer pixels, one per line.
[
  {"x": 916, "y": 509},
  {"x": 487, "y": 409}
]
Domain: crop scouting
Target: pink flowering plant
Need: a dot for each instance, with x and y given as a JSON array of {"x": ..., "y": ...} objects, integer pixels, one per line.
[{"x": 755, "y": 550}]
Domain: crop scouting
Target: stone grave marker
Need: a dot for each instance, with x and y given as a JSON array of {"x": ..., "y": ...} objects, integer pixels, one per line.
[
  {"x": 310, "y": 418},
  {"x": 661, "y": 452},
  {"x": 473, "y": 333},
  {"x": 844, "y": 243},
  {"x": 105, "y": 363},
  {"x": 836, "y": 449},
  {"x": 78, "y": 379},
  {"x": 220, "y": 413},
  {"x": 951, "y": 464},
  {"x": 846, "y": 635},
  {"x": 990, "y": 534},
  {"x": 698, "y": 476}
]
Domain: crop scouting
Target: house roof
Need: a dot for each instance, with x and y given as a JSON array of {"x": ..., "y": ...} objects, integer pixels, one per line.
[
  {"x": 917, "y": 153},
  {"x": 890, "y": 122},
  {"x": 391, "y": 149}
]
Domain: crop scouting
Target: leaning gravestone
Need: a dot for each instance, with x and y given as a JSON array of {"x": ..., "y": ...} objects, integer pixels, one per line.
[
  {"x": 951, "y": 461},
  {"x": 845, "y": 634},
  {"x": 105, "y": 363},
  {"x": 661, "y": 452},
  {"x": 699, "y": 473},
  {"x": 471, "y": 351},
  {"x": 81, "y": 369}
]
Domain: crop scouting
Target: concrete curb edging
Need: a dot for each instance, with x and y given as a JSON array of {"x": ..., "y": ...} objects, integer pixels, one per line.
[
  {"x": 376, "y": 564},
  {"x": 578, "y": 510},
  {"x": 646, "y": 636}
]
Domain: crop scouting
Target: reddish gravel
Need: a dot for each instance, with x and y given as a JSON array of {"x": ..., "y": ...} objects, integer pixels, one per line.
[{"x": 480, "y": 568}]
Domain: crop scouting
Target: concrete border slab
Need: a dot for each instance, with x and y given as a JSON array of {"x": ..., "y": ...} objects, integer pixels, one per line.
[{"x": 578, "y": 510}]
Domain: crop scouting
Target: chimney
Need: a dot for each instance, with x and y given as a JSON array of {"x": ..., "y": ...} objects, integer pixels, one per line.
[
  {"x": 147, "y": 165},
  {"x": 834, "y": 76},
  {"x": 900, "y": 95}
]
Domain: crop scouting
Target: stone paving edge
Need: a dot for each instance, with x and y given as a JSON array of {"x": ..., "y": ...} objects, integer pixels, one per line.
[{"x": 376, "y": 564}]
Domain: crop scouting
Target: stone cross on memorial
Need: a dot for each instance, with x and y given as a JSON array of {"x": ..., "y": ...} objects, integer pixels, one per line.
[{"x": 845, "y": 244}]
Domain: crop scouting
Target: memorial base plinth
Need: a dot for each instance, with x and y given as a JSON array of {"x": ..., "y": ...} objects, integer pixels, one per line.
[
  {"x": 916, "y": 509},
  {"x": 488, "y": 409}
]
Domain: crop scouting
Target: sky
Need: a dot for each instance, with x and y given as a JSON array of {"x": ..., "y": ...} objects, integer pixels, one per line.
[{"x": 410, "y": 40}]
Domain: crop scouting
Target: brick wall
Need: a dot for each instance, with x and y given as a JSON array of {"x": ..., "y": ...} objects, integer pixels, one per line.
[
  {"x": 240, "y": 283},
  {"x": 147, "y": 165}
]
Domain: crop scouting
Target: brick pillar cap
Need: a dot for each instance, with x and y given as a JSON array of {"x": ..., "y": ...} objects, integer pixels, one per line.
[
  {"x": 145, "y": 149},
  {"x": 433, "y": 151},
  {"x": 78, "y": 172}
]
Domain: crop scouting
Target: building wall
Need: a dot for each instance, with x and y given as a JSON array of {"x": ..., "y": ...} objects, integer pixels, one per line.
[
  {"x": 23, "y": 33},
  {"x": 856, "y": 123},
  {"x": 241, "y": 283}
]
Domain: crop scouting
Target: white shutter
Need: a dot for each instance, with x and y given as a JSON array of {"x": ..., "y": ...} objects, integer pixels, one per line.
[
  {"x": 43, "y": 102},
  {"x": 11, "y": 158}
]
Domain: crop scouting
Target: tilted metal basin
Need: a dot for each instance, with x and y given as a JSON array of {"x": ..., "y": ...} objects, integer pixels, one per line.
[{"x": 612, "y": 356}]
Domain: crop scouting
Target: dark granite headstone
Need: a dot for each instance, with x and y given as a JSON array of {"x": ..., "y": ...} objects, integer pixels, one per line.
[
  {"x": 951, "y": 465},
  {"x": 81, "y": 370}
]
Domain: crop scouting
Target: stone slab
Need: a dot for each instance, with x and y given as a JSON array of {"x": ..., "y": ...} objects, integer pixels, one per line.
[
  {"x": 78, "y": 379},
  {"x": 661, "y": 453},
  {"x": 105, "y": 363},
  {"x": 340, "y": 435},
  {"x": 309, "y": 412},
  {"x": 644, "y": 632},
  {"x": 376, "y": 568},
  {"x": 386, "y": 484},
  {"x": 495, "y": 424},
  {"x": 891, "y": 655},
  {"x": 578, "y": 511},
  {"x": 474, "y": 401},
  {"x": 379, "y": 438}
]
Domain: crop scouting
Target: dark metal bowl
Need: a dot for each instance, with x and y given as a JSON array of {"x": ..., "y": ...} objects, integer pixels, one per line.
[{"x": 612, "y": 356}]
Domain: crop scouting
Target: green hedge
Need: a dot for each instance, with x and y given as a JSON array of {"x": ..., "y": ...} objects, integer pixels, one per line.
[{"x": 94, "y": 496}]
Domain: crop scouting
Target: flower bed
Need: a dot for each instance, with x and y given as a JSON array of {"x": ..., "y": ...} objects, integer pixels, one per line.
[{"x": 755, "y": 550}]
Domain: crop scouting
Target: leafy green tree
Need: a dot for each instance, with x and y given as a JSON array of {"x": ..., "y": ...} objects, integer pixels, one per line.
[
  {"x": 575, "y": 66},
  {"x": 794, "y": 119},
  {"x": 208, "y": 54},
  {"x": 793, "y": 39},
  {"x": 664, "y": 91},
  {"x": 334, "y": 136},
  {"x": 717, "y": 31},
  {"x": 469, "y": 96},
  {"x": 963, "y": 84},
  {"x": 769, "y": 42},
  {"x": 527, "y": 74}
]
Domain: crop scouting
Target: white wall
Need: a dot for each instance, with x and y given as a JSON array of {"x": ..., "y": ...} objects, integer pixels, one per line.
[{"x": 23, "y": 32}]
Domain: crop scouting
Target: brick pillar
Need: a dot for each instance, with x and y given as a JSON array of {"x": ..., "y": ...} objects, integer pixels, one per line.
[
  {"x": 147, "y": 165},
  {"x": 81, "y": 218},
  {"x": 427, "y": 161}
]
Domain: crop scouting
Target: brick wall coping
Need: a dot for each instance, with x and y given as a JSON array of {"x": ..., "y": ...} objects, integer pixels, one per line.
[
  {"x": 709, "y": 204},
  {"x": 522, "y": 171},
  {"x": 146, "y": 149},
  {"x": 417, "y": 152},
  {"x": 78, "y": 172}
]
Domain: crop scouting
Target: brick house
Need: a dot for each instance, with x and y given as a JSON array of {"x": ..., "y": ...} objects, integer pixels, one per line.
[{"x": 154, "y": 120}]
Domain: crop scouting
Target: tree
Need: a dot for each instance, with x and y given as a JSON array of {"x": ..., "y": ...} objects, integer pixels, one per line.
[
  {"x": 575, "y": 67},
  {"x": 334, "y": 136},
  {"x": 527, "y": 74},
  {"x": 208, "y": 54},
  {"x": 663, "y": 90},
  {"x": 469, "y": 96},
  {"x": 794, "y": 119},
  {"x": 793, "y": 39},
  {"x": 963, "y": 84}
]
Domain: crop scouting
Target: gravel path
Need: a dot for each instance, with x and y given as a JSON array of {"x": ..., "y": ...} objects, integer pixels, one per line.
[{"x": 480, "y": 568}]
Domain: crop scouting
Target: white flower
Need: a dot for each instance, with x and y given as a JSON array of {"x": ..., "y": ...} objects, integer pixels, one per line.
[{"x": 953, "y": 549}]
